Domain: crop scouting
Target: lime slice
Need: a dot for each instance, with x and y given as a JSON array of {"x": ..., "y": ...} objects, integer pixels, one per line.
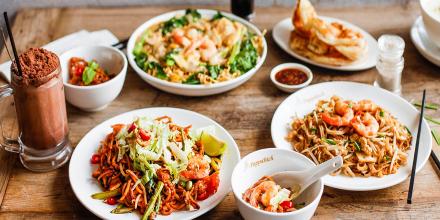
[{"x": 213, "y": 146}]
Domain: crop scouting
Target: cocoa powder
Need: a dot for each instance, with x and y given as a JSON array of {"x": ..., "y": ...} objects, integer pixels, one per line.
[{"x": 36, "y": 64}]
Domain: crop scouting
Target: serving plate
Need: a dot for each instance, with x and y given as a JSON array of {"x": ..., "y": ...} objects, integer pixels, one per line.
[
  {"x": 281, "y": 35},
  {"x": 303, "y": 102},
  {"x": 423, "y": 44},
  {"x": 193, "y": 90},
  {"x": 84, "y": 185}
]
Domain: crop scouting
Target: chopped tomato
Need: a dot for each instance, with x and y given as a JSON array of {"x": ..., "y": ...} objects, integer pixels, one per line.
[
  {"x": 213, "y": 184},
  {"x": 132, "y": 127},
  {"x": 95, "y": 159},
  {"x": 79, "y": 70},
  {"x": 144, "y": 135},
  {"x": 286, "y": 204},
  {"x": 202, "y": 196},
  {"x": 207, "y": 186},
  {"x": 111, "y": 201}
]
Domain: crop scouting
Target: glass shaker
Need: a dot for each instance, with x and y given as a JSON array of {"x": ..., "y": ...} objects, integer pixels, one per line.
[{"x": 390, "y": 63}]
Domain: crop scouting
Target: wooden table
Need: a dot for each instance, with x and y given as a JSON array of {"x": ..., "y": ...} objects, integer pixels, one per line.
[{"x": 245, "y": 112}]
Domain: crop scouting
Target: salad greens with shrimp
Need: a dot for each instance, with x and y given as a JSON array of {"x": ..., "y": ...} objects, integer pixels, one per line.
[{"x": 192, "y": 49}]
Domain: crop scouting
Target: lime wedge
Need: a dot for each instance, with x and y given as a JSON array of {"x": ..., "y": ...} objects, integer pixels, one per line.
[{"x": 213, "y": 146}]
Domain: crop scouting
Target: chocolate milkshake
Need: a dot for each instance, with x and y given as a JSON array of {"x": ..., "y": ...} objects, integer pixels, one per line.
[{"x": 40, "y": 102}]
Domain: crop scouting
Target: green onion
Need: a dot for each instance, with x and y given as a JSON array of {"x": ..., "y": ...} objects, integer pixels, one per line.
[
  {"x": 432, "y": 106},
  {"x": 329, "y": 141},
  {"x": 120, "y": 209},
  {"x": 387, "y": 158},
  {"x": 158, "y": 204},
  {"x": 436, "y": 136},
  {"x": 313, "y": 130},
  {"x": 381, "y": 135},
  {"x": 192, "y": 79},
  {"x": 430, "y": 119},
  {"x": 407, "y": 129},
  {"x": 153, "y": 199},
  {"x": 356, "y": 146},
  {"x": 182, "y": 183},
  {"x": 381, "y": 113},
  {"x": 106, "y": 194}
]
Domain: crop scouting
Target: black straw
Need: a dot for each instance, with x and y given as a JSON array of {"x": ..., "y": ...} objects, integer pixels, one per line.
[
  {"x": 11, "y": 37},
  {"x": 436, "y": 161},
  {"x": 416, "y": 151}
]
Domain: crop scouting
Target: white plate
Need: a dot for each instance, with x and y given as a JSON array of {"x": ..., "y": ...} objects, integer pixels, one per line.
[
  {"x": 304, "y": 101},
  {"x": 281, "y": 35},
  {"x": 84, "y": 185},
  {"x": 423, "y": 44},
  {"x": 193, "y": 90}
]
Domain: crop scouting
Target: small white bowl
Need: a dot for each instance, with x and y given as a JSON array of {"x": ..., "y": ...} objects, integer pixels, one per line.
[
  {"x": 431, "y": 19},
  {"x": 266, "y": 162},
  {"x": 290, "y": 88},
  {"x": 95, "y": 97}
]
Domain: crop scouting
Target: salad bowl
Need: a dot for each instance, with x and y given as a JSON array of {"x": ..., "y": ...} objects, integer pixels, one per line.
[{"x": 189, "y": 89}]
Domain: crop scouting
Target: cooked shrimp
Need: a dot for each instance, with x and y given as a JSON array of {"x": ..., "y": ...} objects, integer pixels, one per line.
[
  {"x": 365, "y": 106},
  {"x": 197, "y": 168},
  {"x": 179, "y": 37},
  {"x": 263, "y": 193},
  {"x": 365, "y": 124},
  {"x": 344, "y": 114},
  {"x": 207, "y": 49}
]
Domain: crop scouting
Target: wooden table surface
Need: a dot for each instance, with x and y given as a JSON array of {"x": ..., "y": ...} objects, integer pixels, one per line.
[{"x": 245, "y": 112}]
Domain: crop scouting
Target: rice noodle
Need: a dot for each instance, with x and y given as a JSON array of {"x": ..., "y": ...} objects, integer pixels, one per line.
[{"x": 376, "y": 155}]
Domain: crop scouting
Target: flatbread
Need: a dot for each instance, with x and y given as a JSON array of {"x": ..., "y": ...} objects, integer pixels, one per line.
[
  {"x": 324, "y": 42},
  {"x": 331, "y": 56}
]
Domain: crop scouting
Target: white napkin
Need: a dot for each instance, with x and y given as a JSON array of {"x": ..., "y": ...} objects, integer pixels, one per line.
[{"x": 80, "y": 38}]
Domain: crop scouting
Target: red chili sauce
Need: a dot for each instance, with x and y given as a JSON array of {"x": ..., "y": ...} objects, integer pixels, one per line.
[{"x": 291, "y": 76}]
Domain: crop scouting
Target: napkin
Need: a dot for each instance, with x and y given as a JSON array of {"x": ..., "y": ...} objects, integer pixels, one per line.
[{"x": 81, "y": 38}]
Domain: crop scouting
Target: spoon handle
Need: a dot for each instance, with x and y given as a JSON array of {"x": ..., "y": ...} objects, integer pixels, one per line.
[{"x": 322, "y": 170}]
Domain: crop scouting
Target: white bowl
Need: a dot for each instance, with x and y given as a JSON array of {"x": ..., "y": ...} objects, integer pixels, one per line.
[
  {"x": 95, "y": 97},
  {"x": 193, "y": 90},
  {"x": 431, "y": 19},
  {"x": 291, "y": 88},
  {"x": 266, "y": 162}
]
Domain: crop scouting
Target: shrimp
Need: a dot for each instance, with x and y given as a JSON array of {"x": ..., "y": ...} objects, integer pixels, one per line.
[
  {"x": 197, "y": 168},
  {"x": 365, "y": 124},
  {"x": 263, "y": 193},
  {"x": 207, "y": 49},
  {"x": 344, "y": 114},
  {"x": 365, "y": 106},
  {"x": 179, "y": 37}
]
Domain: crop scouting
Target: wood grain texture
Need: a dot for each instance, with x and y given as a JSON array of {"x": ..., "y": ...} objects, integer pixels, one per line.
[{"x": 245, "y": 112}]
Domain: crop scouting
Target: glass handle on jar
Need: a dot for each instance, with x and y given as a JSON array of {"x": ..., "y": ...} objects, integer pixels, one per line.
[{"x": 6, "y": 143}]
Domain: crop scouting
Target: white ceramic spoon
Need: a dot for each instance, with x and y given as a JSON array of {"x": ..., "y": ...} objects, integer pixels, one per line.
[{"x": 298, "y": 181}]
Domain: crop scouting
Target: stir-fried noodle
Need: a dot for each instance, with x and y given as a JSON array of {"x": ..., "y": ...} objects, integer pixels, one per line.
[
  {"x": 371, "y": 141},
  {"x": 155, "y": 166}
]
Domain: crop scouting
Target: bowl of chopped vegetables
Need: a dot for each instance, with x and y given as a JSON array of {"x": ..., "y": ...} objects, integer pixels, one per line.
[
  {"x": 196, "y": 52},
  {"x": 93, "y": 76}
]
